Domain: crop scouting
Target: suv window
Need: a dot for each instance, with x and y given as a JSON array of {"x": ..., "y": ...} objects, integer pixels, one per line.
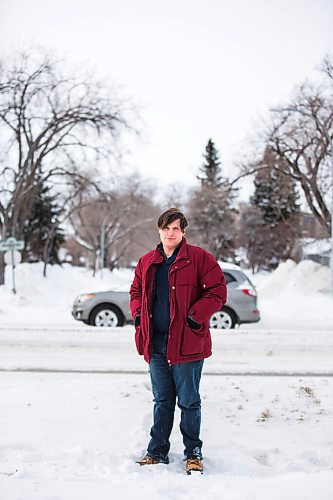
[{"x": 229, "y": 278}]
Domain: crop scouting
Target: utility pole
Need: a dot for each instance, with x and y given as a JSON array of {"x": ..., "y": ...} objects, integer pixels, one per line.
[{"x": 102, "y": 248}]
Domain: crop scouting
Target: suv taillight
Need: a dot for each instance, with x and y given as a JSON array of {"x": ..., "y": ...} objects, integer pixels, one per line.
[{"x": 249, "y": 291}]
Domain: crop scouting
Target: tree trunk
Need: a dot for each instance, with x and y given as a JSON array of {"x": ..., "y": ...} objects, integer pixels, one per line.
[
  {"x": 2, "y": 269},
  {"x": 47, "y": 251}
]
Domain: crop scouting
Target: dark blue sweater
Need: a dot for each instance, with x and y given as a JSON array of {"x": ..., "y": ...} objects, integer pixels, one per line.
[{"x": 161, "y": 303}]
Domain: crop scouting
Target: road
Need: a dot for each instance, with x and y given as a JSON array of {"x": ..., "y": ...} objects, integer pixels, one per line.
[{"x": 48, "y": 348}]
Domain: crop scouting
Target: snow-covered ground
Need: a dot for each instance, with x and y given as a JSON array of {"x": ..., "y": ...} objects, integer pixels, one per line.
[
  {"x": 77, "y": 436},
  {"x": 76, "y": 405}
]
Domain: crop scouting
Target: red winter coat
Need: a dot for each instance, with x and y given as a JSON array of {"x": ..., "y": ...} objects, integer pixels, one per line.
[{"x": 197, "y": 288}]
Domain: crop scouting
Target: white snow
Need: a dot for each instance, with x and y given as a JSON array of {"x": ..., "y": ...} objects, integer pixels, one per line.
[
  {"x": 316, "y": 246},
  {"x": 75, "y": 436},
  {"x": 40, "y": 299},
  {"x": 76, "y": 404},
  {"x": 296, "y": 296}
]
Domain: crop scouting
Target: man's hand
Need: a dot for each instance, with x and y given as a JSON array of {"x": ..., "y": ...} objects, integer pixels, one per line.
[{"x": 193, "y": 324}]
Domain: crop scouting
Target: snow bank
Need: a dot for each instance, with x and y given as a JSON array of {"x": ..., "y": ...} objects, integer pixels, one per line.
[
  {"x": 295, "y": 296},
  {"x": 307, "y": 277},
  {"x": 40, "y": 299}
]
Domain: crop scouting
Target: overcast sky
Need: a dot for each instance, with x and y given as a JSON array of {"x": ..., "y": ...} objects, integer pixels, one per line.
[{"x": 199, "y": 68}]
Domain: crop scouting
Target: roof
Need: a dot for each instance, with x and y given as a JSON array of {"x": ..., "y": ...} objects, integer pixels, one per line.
[{"x": 228, "y": 265}]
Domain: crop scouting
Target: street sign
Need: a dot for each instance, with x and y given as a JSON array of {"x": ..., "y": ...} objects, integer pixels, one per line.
[
  {"x": 12, "y": 257},
  {"x": 11, "y": 244}
]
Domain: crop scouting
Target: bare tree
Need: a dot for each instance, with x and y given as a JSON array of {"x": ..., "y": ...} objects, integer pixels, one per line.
[
  {"x": 115, "y": 228},
  {"x": 51, "y": 125},
  {"x": 301, "y": 136}
]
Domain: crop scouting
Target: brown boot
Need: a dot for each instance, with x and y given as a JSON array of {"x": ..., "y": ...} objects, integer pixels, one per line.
[
  {"x": 193, "y": 464},
  {"x": 147, "y": 460}
]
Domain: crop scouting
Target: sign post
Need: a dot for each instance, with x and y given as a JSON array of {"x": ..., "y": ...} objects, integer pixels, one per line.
[{"x": 10, "y": 246}]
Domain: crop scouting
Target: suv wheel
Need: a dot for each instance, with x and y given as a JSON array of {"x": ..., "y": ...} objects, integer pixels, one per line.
[
  {"x": 224, "y": 319},
  {"x": 106, "y": 315}
]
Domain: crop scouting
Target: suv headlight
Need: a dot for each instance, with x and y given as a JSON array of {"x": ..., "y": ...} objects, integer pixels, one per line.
[{"x": 85, "y": 296}]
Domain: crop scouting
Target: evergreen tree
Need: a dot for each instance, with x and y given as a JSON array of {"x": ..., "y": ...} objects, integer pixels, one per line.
[
  {"x": 211, "y": 168},
  {"x": 273, "y": 231},
  {"x": 42, "y": 234},
  {"x": 275, "y": 193},
  {"x": 210, "y": 207}
]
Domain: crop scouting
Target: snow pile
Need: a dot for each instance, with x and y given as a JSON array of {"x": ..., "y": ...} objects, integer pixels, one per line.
[
  {"x": 295, "y": 296},
  {"x": 40, "y": 299},
  {"x": 307, "y": 277}
]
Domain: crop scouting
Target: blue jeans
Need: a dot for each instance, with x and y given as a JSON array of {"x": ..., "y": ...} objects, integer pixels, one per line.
[{"x": 179, "y": 381}]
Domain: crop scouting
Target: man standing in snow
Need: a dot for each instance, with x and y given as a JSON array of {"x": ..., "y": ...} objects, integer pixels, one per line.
[{"x": 176, "y": 288}]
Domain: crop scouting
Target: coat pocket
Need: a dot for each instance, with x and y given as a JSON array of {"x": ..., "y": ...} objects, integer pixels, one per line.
[
  {"x": 193, "y": 342},
  {"x": 139, "y": 340}
]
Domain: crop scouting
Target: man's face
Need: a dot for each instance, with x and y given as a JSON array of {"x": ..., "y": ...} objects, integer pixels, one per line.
[{"x": 171, "y": 236}]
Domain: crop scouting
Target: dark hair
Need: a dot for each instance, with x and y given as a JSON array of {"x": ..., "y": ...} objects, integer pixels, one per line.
[{"x": 170, "y": 216}]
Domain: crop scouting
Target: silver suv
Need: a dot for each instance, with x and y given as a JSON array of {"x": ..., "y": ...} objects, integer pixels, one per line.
[
  {"x": 112, "y": 308},
  {"x": 241, "y": 306}
]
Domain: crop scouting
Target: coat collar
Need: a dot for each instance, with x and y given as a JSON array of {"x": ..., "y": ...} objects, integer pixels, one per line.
[{"x": 158, "y": 254}]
